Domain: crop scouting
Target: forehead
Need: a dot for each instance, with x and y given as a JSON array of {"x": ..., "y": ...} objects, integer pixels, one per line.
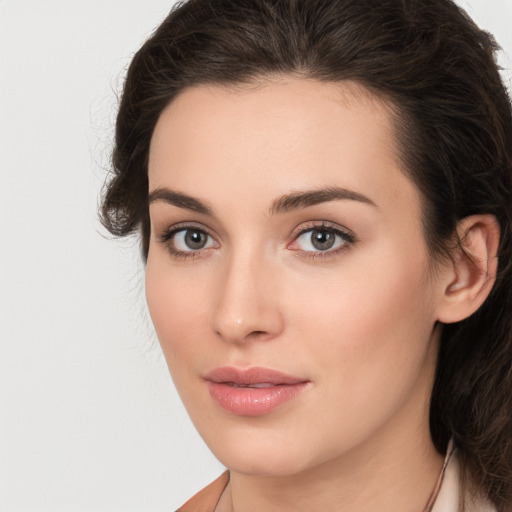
[
  {"x": 276, "y": 110},
  {"x": 276, "y": 136}
]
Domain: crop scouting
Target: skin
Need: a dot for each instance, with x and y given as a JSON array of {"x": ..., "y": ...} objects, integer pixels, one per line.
[{"x": 358, "y": 322}]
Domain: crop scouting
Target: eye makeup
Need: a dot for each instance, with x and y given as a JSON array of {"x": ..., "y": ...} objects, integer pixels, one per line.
[
  {"x": 187, "y": 240},
  {"x": 321, "y": 240},
  {"x": 314, "y": 239}
]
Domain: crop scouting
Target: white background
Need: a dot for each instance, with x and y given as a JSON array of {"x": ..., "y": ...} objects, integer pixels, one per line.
[{"x": 89, "y": 418}]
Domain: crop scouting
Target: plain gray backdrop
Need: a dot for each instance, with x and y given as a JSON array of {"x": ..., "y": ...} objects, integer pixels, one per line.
[{"x": 89, "y": 418}]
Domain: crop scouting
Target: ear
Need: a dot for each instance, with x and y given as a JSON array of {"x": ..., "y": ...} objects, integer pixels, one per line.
[{"x": 471, "y": 273}]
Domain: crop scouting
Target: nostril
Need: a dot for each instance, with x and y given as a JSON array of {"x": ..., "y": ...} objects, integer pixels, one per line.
[{"x": 257, "y": 334}]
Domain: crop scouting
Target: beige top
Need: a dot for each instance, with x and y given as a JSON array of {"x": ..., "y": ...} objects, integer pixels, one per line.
[{"x": 446, "y": 496}]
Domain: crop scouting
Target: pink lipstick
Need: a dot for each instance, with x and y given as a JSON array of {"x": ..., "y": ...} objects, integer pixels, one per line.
[{"x": 253, "y": 391}]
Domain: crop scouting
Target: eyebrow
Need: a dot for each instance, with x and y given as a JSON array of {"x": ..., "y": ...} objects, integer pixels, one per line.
[
  {"x": 180, "y": 200},
  {"x": 286, "y": 203},
  {"x": 299, "y": 200}
]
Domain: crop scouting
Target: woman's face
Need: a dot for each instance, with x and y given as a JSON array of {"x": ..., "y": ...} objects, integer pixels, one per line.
[{"x": 288, "y": 277}]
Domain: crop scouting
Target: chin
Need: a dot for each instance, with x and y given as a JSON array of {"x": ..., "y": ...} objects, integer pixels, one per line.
[
  {"x": 265, "y": 452},
  {"x": 264, "y": 463}
]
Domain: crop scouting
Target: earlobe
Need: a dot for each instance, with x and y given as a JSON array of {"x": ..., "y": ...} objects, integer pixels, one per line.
[{"x": 473, "y": 268}]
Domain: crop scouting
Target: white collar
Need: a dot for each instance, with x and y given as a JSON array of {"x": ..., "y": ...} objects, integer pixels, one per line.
[{"x": 449, "y": 495}]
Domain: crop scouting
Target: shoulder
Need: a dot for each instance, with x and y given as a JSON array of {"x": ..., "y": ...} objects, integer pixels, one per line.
[{"x": 206, "y": 499}]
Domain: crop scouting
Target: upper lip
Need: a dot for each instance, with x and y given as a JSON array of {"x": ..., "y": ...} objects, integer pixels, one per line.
[{"x": 252, "y": 375}]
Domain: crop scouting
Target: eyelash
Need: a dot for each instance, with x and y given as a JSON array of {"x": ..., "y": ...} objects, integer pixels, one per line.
[
  {"x": 347, "y": 236},
  {"x": 167, "y": 236}
]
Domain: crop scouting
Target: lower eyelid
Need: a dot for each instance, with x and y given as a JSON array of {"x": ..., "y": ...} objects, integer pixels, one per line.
[{"x": 328, "y": 254}]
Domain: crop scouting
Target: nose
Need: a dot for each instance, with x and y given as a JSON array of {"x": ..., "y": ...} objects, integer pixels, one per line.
[{"x": 247, "y": 302}]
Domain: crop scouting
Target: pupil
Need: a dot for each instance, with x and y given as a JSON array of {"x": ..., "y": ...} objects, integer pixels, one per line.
[
  {"x": 195, "y": 239},
  {"x": 322, "y": 240}
]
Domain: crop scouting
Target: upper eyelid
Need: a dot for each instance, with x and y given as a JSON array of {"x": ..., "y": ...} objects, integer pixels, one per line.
[
  {"x": 183, "y": 226},
  {"x": 327, "y": 225}
]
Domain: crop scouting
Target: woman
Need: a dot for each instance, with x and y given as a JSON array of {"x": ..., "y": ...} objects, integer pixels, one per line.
[{"x": 322, "y": 189}]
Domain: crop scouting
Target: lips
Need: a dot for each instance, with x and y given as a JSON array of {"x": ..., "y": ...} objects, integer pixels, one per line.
[{"x": 253, "y": 391}]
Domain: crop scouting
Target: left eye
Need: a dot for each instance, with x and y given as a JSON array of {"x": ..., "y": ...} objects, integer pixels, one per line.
[
  {"x": 188, "y": 240},
  {"x": 321, "y": 240}
]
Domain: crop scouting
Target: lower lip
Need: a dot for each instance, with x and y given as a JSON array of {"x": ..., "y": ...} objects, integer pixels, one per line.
[{"x": 245, "y": 401}]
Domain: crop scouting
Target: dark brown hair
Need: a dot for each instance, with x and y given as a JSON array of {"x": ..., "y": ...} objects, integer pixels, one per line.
[{"x": 436, "y": 68}]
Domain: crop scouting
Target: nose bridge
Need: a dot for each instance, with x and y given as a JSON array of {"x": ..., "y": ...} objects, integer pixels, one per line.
[{"x": 246, "y": 305}]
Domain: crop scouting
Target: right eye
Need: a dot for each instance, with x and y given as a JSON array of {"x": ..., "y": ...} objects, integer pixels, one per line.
[
  {"x": 192, "y": 240},
  {"x": 187, "y": 241}
]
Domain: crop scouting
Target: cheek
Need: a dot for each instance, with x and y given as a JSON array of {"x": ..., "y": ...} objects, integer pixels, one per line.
[
  {"x": 370, "y": 296},
  {"x": 175, "y": 307},
  {"x": 369, "y": 332}
]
